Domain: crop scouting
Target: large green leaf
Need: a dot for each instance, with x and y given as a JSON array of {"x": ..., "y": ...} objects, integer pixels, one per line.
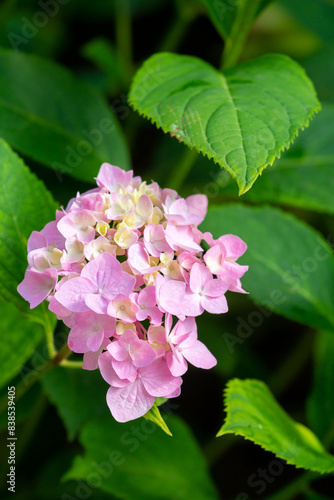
[
  {"x": 227, "y": 16},
  {"x": 253, "y": 412},
  {"x": 321, "y": 400},
  {"x": 52, "y": 117},
  {"x": 137, "y": 461},
  {"x": 18, "y": 341},
  {"x": 291, "y": 267},
  {"x": 78, "y": 395},
  {"x": 242, "y": 119},
  {"x": 303, "y": 176},
  {"x": 25, "y": 206}
]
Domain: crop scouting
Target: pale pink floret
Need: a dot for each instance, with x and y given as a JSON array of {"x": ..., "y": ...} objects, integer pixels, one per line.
[
  {"x": 143, "y": 210},
  {"x": 129, "y": 399},
  {"x": 100, "y": 245},
  {"x": 101, "y": 281},
  {"x": 139, "y": 260},
  {"x": 113, "y": 178},
  {"x": 181, "y": 237},
  {"x": 221, "y": 259},
  {"x": 155, "y": 240},
  {"x": 170, "y": 295},
  {"x": 204, "y": 293},
  {"x": 89, "y": 331},
  {"x": 129, "y": 353},
  {"x": 36, "y": 285},
  {"x": 52, "y": 234},
  {"x": 80, "y": 224},
  {"x": 36, "y": 240},
  {"x": 90, "y": 200},
  {"x": 120, "y": 206},
  {"x": 74, "y": 251},
  {"x": 121, "y": 307},
  {"x": 185, "y": 346},
  {"x": 147, "y": 305}
]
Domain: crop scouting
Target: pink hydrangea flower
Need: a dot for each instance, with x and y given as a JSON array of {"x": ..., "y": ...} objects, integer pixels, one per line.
[{"x": 116, "y": 265}]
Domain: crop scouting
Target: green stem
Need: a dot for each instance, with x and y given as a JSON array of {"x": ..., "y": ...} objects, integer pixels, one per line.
[
  {"x": 49, "y": 332},
  {"x": 236, "y": 41},
  {"x": 31, "y": 378},
  {"x": 181, "y": 169},
  {"x": 178, "y": 29},
  {"x": 71, "y": 364},
  {"x": 124, "y": 36},
  {"x": 298, "y": 485}
]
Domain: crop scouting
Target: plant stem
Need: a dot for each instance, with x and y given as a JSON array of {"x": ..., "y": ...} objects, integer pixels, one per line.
[
  {"x": 31, "y": 378},
  {"x": 296, "y": 486},
  {"x": 236, "y": 41},
  {"x": 49, "y": 331},
  {"x": 182, "y": 168},
  {"x": 124, "y": 36},
  {"x": 178, "y": 29},
  {"x": 71, "y": 364}
]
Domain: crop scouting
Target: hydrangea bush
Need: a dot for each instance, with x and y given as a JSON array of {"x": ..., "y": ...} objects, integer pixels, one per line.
[{"x": 123, "y": 267}]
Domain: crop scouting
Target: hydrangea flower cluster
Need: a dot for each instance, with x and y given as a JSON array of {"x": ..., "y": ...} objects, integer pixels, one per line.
[{"x": 122, "y": 266}]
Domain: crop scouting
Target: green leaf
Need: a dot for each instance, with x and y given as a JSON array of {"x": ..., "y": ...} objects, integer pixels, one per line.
[
  {"x": 321, "y": 401},
  {"x": 19, "y": 338},
  {"x": 291, "y": 267},
  {"x": 136, "y": 461},
  {"x": 78, "y": 395},
  {"x": 242, "y": 119},
  {"x": 55, "y": 119},
  {"x": 25, "y": 206},
  {"x": 155, "y": 416},
  {"x": 303, "y": 176},
  {"x": 253, "y": 412}
]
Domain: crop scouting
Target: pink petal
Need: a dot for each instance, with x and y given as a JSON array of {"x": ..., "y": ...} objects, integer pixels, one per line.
[
  {"x": 215, "y": 288},
  {"x": 215, "y": 305},
  {"x": 191, "y": 304},
  {"x": 124, "y": 369},
  {"x": 170, "y": 295},
  {"x": 72, "y": 293},
  {"x": 199, "y": 276},
  {"x": 198, "y": 205},
  {"x": 101, "y": 269},
  {"x": 176, "y": 363},
  {"x": 113, "y": 177},
  {"x": 234, "y": 245},
  {"x": 157, "y": 379},
  {"x": 90, "y": 360},
  {"x": 144, "y": 207},
  {"x": 97, "y": 302},
  {"x": 36, "y": 285},
  {"x": 53, "y": 236},
  {"x": 108, "y": 372},
  {"x": 36, "y": 240},
  {"x": 130, "y": 402},
  {"x": 199, "y": 355}
]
